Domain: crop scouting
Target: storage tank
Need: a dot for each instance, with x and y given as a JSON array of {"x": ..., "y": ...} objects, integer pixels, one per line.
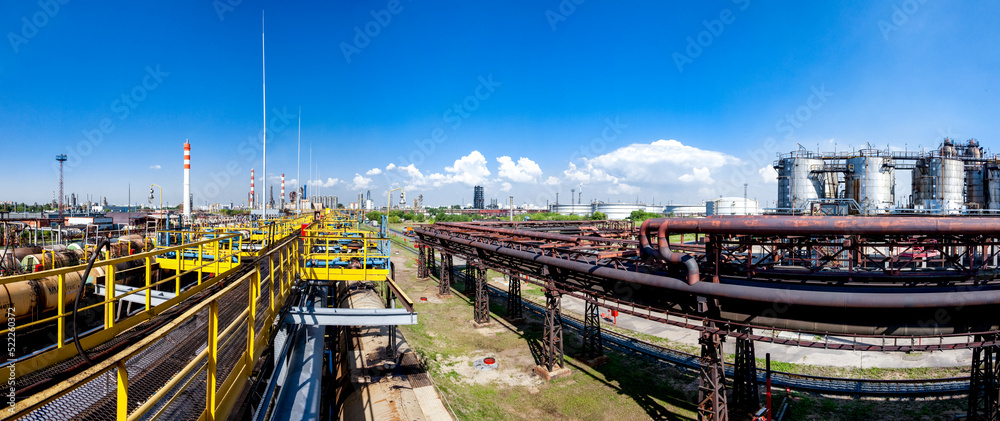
[
  {"x": 798, "y": 184},
  {"x": 870, "y": 180},
  {"x": 939, "y": 184},
  {"x": 975, "y": 190},
  {"x": 732, "y": 206},
  {"x": 572, "y": 209},
  {"x": 621, "y": 210},
  {"x": 991, "y": 177}
]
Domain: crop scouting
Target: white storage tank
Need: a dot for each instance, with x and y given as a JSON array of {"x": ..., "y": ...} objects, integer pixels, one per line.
[
  {"x": 801, "y": 180},
  {"x": 732, "y": 206},
  {"x": 939, "y": 181},
  {"x": 572, "y": 209},
  {"x": 870, "y": 180}
]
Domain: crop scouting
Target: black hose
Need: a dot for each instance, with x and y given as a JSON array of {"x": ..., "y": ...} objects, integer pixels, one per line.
[{"x": 79, "y": 291}]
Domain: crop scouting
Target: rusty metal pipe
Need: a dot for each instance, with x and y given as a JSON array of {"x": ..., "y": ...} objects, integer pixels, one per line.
[
  {"x": 833, "y": 225},
  {"x": 663, "y": 241},
  {"x": 575, "y": 239},
  {"x": 859, "y": 299}
]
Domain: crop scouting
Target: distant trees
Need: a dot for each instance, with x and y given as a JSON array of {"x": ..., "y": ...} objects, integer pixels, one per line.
[
  {"x": 598, "y": 216},
  {"x": 374, "y": 216},
  {"x": 639, "y": 216}
]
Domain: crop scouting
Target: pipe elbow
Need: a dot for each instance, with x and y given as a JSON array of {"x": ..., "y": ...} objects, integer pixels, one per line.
[{"x": 663, "y": 243}]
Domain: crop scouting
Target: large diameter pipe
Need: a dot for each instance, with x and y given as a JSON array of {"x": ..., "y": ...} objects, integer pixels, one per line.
[
  {"x": 693, "y": 274},
  {"x": 830, "y": 299},
  {"x": 832, "y": 225}
]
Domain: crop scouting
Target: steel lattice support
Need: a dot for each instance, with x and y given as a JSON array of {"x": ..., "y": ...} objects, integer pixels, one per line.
[
  {"x": 984, "y": 392},
  {"x": 712, "y": 380},
  {"x": 430, "y": 262},
  {"x": 444, "y": 287},
  {"x": 482, "y": 311},
  {"x": 514, "y": 297},
  {"x": 552, "y": 337},
  {"x": 746, "y": 396},
  {"x": 593, "y": 346},
  {"x": 422, "y": 271},
  {"x": 470, "y": 277}
]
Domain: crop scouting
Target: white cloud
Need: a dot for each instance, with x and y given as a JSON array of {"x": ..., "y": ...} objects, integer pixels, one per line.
[
  {"x": 622, "y": 188},
  {"x": 659, "y": 161},
  {"x": 700, "y": 175},
  {"x": 524, "y": 171},
  {"x": 374, "y": 171},
  {"x": 360, "y": 182},
  {"x": 505, "y": 186},
  {"x": 390, "y": 166},
  {"x": 155, "y": 167},
  {"x": 470, "y": 170},
  {"x": 551, "y": 181},
  {"x": 330, "y": 182},
  {"x": 769, "y": 174}
]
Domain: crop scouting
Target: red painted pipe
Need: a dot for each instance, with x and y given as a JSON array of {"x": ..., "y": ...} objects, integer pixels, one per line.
[
  {"x": 663, "y": 241},
  {"x": 831, "y": 225},
  {"x": 905, "y": 299}
]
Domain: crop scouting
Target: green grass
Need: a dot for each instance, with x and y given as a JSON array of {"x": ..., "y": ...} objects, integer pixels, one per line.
[{"x": 624, "y": 388}]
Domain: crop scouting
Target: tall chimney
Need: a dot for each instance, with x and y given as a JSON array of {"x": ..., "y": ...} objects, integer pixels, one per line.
[
  {"x": 187, "y": 180},
  {"x": 252, "y": 190},
  {"x": 282, "y": 190}
]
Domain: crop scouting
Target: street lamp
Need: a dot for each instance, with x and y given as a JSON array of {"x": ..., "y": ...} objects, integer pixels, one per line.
[
  {"x": 388, "y": 200},
  {"x": 151, "y": 194}
]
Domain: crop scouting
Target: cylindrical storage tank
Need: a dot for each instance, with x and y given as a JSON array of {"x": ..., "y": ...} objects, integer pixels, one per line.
[
  {"x": 29, "y": 298},
  {"x": 975, "y": 189},
  {"x": 870, "y": 180},
  {"x": 51, "y": 260},
  {"x": 732, "y": 206},
  {"x": 939, "y": 185},
  {"x": 573, "y": 209},
  {"x": 655, "y": 209},
  {"x": 618, "y": 210},
  {"x": 992, "y": 188},
  {"x": 797, "y": 184}
]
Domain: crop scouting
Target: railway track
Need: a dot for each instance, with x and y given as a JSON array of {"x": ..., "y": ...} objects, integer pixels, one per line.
[{"x": 816, "y": 384}]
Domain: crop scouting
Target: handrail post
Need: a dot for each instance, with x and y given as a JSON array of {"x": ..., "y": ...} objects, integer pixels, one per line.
[
  {"x": 122, "y": 404},
  {"x": 213, "y": 353},
  {"x": 109, "y": 297},
  {"x": 201, "y": 253},
  {"x": 252, "y": 320},
  {"x": 149, "y": 280},
  {"x": 61, "y": 328}
]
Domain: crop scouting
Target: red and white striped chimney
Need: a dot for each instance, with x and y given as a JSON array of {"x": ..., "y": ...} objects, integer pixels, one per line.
[
  {"x": 282, "y": 188},
  {"x": 187, "y": 180},
  {"x": 252, "y": 190}
]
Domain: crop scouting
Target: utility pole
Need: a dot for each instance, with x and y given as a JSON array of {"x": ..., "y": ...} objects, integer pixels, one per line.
[
  {"x": 512, "y": 208},
  {"x": 61, "y": 158}
]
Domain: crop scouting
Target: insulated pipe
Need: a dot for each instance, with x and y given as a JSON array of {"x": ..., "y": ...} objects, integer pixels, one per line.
[
  {"x": 576, "y": 239},
  {"x": 832, "y": 225},
  {"x": 950, "y": 297},
  {"x": 665, "y": 254}
]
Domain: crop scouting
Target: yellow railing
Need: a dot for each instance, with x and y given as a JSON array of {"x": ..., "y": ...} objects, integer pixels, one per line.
[
  {"x": 361, "y": 249},
  {"x": 203, "y": 374},
  {"x": 59, "y": 351}
]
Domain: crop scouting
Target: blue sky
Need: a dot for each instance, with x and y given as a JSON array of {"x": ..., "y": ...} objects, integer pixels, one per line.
[{"x": 664, "y": 101}]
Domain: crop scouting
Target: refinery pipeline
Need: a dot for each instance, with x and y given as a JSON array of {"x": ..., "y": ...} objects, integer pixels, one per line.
[{"x": 296, "y": 311}]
